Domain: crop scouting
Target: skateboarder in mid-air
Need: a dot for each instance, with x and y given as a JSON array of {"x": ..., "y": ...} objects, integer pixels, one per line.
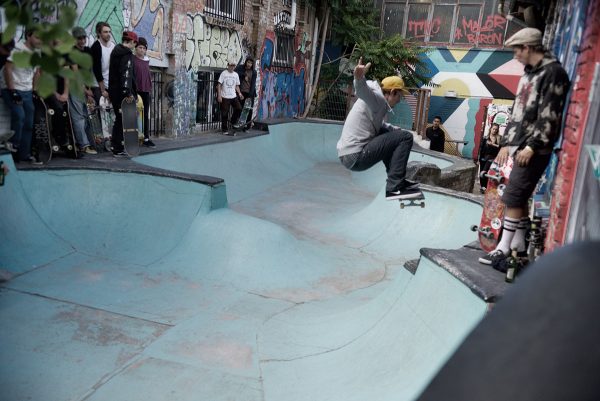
[
  {"x": 367, "y": 139},
  {"x": 530, "y": 134}
]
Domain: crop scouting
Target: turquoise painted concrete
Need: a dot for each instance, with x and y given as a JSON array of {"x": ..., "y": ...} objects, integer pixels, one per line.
[{"x": 127, "y": 286}]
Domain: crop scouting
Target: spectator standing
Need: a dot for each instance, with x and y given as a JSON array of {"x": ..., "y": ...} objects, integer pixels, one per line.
[
  {"x": 229, "y": 95},
  {"x": 101, "y": 50},
  {"x": 435, "y": 135},
  {"x": 247, "y": 75},
  {"x": 78, "y": 107},
  {"x": 17, "y": 85},
  {"x": 530, "y": 135},
  {"x": 143, "y": 85},
  {"x": 487, "y": 153},
  {"x": 121, "y": 85}
]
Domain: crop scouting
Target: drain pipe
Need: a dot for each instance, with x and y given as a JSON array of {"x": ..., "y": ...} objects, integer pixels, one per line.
[
  {"x": 292, "y": 24},
  {"x": 314, "y": 54}
]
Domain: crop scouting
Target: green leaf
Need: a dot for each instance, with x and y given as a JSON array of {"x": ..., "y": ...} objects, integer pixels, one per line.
[
  {"x": 9, "y": 33},
  {"x": 22, "y": 59},
  {"x": 65, "y": 47},
  {"x": 83, "y": 60},
  {"x": 46, "y": 85}
]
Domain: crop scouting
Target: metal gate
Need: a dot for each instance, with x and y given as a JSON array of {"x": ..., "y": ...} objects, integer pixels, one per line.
[
  {"x": 157, "y": 126},
  {"x": 208, "y": 112}
]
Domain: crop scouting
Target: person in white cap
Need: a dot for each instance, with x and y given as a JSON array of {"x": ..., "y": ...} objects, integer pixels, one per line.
[
  {"x": 530, "y": 135},
  {"x": 229, "y": 95},
  {"x": 368, "y": 139}
]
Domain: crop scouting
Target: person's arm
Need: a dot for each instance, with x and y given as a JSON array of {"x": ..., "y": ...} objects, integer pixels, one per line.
[
  {"x": 220, "y": 88},
  {"x": 363, "y": 91},
  {"x": 96, "y": 51},
  {"x": 10, "y": 83}
]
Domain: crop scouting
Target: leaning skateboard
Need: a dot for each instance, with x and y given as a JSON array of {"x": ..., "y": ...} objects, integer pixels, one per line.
[
  {"x": 42, "y": 144},
  {"x": 242, "y": 123},
  {"x": 418, "y": 201},
  {"x": 107, "y": 117},
  {"x": 62, "y": 137},
  {"x": 490, "y": 227},
  {"x": 130, "y": 128},
  {"x": 94, "y": 127}
]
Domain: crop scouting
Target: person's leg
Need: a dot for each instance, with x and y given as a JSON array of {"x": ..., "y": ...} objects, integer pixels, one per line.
[
  {"x": 117, "y": 132},
  {"x": 224, "y": 114},
  {"x": 17, "y": 116},
  {"x": 146, "y": 120},
  {"x": 393, "y": 148},
  {"x": 237, "y": 110},
  {"x": 78, "y": 114},
  {"x": 27, "y": 133}
]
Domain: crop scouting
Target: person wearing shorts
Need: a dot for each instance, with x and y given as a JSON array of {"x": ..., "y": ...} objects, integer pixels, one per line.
[{"x": 530, "y": 135}]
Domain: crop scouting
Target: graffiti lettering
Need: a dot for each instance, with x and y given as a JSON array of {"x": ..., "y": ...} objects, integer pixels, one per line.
[
  {"x": 210, "y": 45},
  {"x": 491, "y": 33},
  {"x": 282, "y": 18},
  {"x": 423, "y": 28}
]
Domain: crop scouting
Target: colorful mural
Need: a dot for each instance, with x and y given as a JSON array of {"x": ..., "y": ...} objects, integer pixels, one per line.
[
  {"x": 475, "y": 77},
  {"x": 282, "y": 90},
  {"x": 210, "y": 45}
]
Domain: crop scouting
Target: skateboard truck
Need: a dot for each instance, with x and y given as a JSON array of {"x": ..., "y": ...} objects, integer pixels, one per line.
[
  {"x": 485, "y": 231},
  {"x": 412, "y": 202}
]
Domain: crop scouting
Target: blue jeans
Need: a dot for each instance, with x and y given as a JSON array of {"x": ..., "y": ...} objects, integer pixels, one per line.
[
  {"x": 79, "y": 117},
  {"x": 393, "y": 149},
  {"x": 21, "y": 122}
]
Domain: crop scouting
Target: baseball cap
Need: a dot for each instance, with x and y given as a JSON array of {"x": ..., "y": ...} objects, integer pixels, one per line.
[
  {"x": 526, "y": 36},
  {"x": 79, "y": 32},
  {"x": 394, "y": 82},
  {"x": 129, "y": 35}
]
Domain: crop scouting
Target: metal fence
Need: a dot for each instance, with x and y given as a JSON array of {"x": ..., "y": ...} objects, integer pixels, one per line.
[
  {"x": 157, "y": 124},
  {"x": 227, "y": 10},
  {"x": 208, "y": 112},
  {"x": 331, "y": 100}
]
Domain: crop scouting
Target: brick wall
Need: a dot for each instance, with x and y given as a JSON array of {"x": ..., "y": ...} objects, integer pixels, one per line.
[{"x": 574, "y": 129}]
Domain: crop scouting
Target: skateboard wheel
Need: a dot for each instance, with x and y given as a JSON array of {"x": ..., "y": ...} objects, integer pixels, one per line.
[
  {"x": 402, "y": 206},
  {"x": 55, "y": 148},
  {"x": 51, "y": 112},
  {"x": 474, "y": 228},
  {"x": 70, "y": 147},
  {"x": 422, "y": 205}
]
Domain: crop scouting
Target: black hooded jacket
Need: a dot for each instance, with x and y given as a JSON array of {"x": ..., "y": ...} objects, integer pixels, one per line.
[
  {"x": 121, "y": 77},
  {"x": 241, "y": 71}
]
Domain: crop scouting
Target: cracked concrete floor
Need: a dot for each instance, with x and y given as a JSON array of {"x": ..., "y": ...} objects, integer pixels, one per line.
[{"x": 136, "y": 289}]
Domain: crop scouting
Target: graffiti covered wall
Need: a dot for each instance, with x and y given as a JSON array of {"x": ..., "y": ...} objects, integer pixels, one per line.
[
  {"x": 282, "y": 90},
  {"x": 147, "y": 18},
  {"x": 477, "y": 78}
]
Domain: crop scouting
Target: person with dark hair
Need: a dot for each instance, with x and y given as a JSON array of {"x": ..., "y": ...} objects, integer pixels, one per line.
[
  {"x": 247, "y": 75},
  {"x": 143, "y": 85},
  {"x": 17, "y": 85},
  {"x": 121, "y": 85},
  {"x": 435, "y": 135},
  {"x": 368, "y": 139},
  {"x": 77, "y": 105},
  {"x": 530, "y": 135},
  {"x": 487, "y": 153},
  {"x": 101, "y": 50}
]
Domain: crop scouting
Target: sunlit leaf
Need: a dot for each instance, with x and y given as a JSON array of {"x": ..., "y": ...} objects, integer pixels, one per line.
[
  {"x": 46, "y": 85},
  {"x": 83, "y": 60},
  {"x": 22, "y": 59}
]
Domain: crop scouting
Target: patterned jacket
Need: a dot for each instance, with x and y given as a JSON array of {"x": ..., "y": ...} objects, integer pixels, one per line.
[{"x": 537, "y": 111}]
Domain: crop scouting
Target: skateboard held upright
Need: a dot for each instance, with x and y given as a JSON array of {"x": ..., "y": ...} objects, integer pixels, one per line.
[
  {"x": 243, "y": 122},
  {"x": 42, "y": 144},
  {"x": 490, "y": 227},
  {"x": 130, "y": 128}
]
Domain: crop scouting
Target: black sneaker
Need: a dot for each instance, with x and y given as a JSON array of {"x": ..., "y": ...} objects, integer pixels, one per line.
[
  {"x": 493, "y": 257},
  {"x": 404, "y": 194},
  {"x": 149, "y": 144},
  {"x": 120, "y": 154},
  {"x": 408, "y": 184}
]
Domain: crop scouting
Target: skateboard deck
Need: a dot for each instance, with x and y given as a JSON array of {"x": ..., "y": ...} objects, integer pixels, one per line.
[
  {"x": 42, "y": 144},
  {"x": 107, "y": 118},
  {"x": 94, "y": 127},
  {"x": 130, "y": 128},
  {"x": 419, "y": 201},
  {"x": 140, "y": 118},
  {"x": 62, "y": 137},
  {"x": 242, "y": 121},
  {"x": 490, "y": 227}
]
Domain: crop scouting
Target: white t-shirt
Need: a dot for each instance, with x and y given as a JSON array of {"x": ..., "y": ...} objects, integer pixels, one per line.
[
  {"x": 22, "y": 77},
  {"x": 106, "y": 51},
  {"x": 228, "y": 81}
]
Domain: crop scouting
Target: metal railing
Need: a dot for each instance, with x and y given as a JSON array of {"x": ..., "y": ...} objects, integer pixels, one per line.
[
  {"x": 208, "y": 112},
  {"x": 157, "y": 124},
  {"x": 226, "y": 10}
]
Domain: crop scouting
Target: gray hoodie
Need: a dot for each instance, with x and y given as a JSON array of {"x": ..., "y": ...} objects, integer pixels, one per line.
[{"x": 366, "y": 118}]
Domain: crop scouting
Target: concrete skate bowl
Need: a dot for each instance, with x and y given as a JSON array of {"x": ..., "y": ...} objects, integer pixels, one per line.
[{"x": 287, "y": 282}]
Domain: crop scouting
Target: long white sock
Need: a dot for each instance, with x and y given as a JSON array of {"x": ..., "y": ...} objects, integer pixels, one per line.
[
  {"x": 508, "y": 232},
  {"x": 518, "y": 240}
]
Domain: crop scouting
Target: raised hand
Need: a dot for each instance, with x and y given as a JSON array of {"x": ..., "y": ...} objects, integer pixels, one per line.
[{"x": 361, "y": 69}]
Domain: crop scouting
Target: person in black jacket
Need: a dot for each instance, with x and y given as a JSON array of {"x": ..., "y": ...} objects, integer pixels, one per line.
[
  {"x": 247, "y": 75},
  {"x": 121, "y": 85},
  {"x": 487, "y": 153},
  {"x": 100, "y": 51}
]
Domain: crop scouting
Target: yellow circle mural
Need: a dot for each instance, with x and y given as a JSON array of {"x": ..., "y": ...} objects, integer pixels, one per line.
[{"x": 452, "y": 84}]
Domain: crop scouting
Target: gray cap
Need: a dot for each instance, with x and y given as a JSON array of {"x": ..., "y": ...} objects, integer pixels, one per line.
[
  {"x": 526, "y": 36},
  {"x": 79, "y": 32}
]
